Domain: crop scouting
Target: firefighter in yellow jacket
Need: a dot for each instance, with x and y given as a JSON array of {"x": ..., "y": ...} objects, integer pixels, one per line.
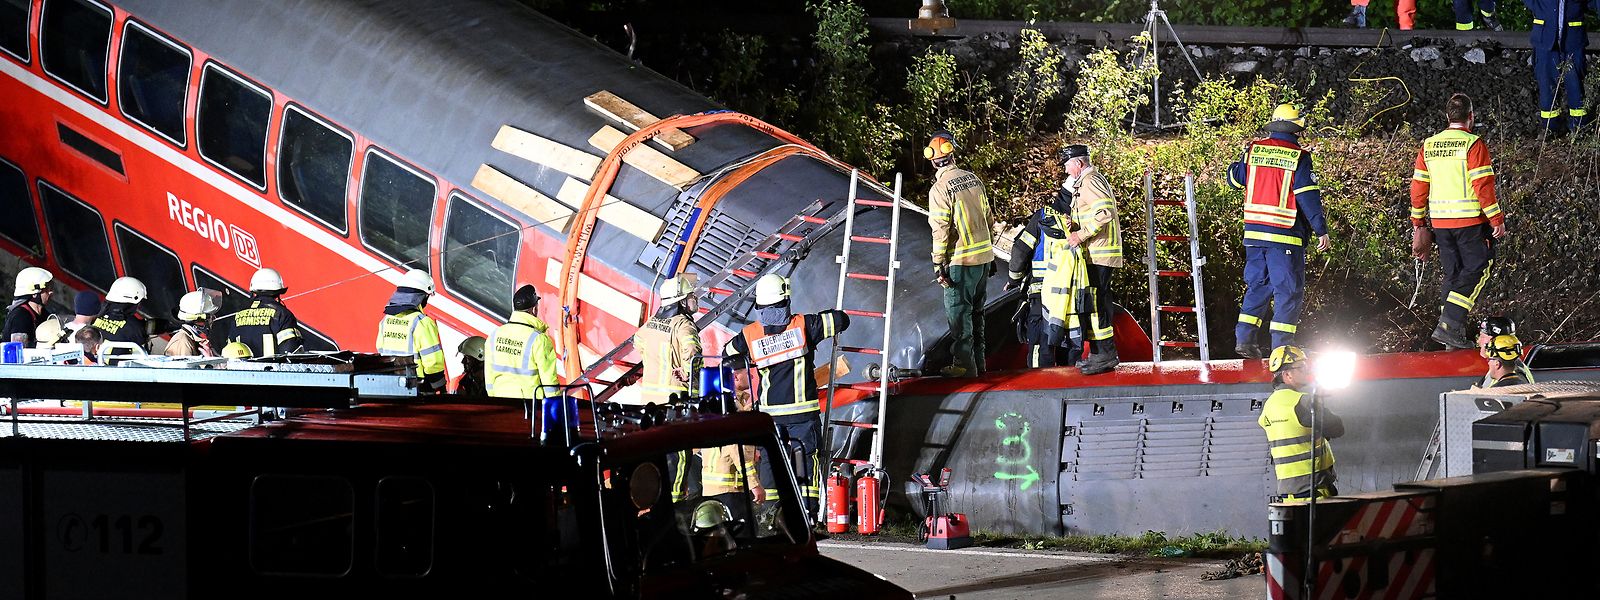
[
  {"x": 522, "y": 358},
  {"x": 1096, "y": 231},
  {"x": 782, "y": 348},
  {"x": 406, "y": 331},
  {"x": 1301, "y": 463},
  {"x": 963, "y": 254},
  {"x": 669, "y": 344}
]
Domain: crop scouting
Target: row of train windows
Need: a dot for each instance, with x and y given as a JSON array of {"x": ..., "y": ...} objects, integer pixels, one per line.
[{"x": 232, "y": 120}]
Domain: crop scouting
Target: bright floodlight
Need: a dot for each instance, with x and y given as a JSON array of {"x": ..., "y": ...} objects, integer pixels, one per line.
[{"x": 1335, "y": 369}]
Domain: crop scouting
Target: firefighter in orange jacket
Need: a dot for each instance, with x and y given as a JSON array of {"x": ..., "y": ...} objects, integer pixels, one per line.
[
  {"x": 782, "y": 347},
  {"x": 1452, "y": 189},
  {"x": 1282, "y": 207}
]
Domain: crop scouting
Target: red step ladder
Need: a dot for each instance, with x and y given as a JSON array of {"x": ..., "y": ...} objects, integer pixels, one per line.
[{"x": 1196, "y": 263}]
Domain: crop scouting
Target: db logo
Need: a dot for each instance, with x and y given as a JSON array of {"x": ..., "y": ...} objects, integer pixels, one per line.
[{"x": 244, "y": 246}]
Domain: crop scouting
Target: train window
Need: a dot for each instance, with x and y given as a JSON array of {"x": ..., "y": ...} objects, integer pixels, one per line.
[
  {"x": 14, "y": 27},
  {"x": 153, "y": 81},
  {"x": 480, "y": 255},
  {"x": 405, "y": 526},
  {"x": 154, "y": 265},
  {"x": 78, "y": 236},
  {"x": 19, "y": 225},
  {"x": 75, "y": 43},
  {"x": 314, "y": 166},
  {"x": 302, "y": 525},
  {"x": 396, "y": 208},
  {"x": 233, "y": 298},
  {"x": 231, "y": 124}
]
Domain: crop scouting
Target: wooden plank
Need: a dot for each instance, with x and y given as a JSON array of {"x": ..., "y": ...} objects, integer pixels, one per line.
[
  {"x": 541, "y": 151},
  {"x": 820, "y": 375},
  {"x": 596, "y": 293},
  {"x": 632, "y": 219},
  {"x": 518, "y": 195},
  {"x": 631, "y": 118},
  {"x": 653, "y": 162}
]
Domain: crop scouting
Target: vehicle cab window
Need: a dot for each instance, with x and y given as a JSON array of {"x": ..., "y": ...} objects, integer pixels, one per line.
[
  {"x": 14, "y": 27},
  {"x": 75, "y": 41}
]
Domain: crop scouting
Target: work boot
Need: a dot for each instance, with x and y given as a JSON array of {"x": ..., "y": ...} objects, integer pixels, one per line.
[
  {"x": 1103, "y": 362},
  {"x": 1492, "y": 24},
  {"x": 1357, "y": 18},
  {"x": 1453, "y": 338},
  {"x": 953, "y": 371},
  {"x": 1247, "y": 350}
]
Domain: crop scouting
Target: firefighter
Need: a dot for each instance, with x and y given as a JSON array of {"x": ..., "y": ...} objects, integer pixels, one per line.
[
  {"x": 1504, "y": 353},
  {"x": 28, "y": 299},
  {"x": 90, "y": 338},
  {"x": 729, "y": 474},
  {"x": 1042, "y": 242},
  {"x": 1464, "y": 16},
  {"x": 1452, "y": 189},
  {"x": 50, "y": 332},
  {"x": 1405, "y": 12},
  {"x": 963, "y": 256},
  {"x": 522, "y": 360},
  {"x": 782, "y": 348},
  {"x": 471, "y": 382},
  {"x": 266, "y": 327},
  {"x": 669, "y": 344},
  {"x": 1490, "y": 328},
  {"x": 1300, "y": 462},
  {"x": 119, "y": 320},
  {"x": 194, "y": 315},
  {"x": 1558, "y": 40},
  {"x": 1282, "y": 206},
  {"x": 1096, "y": 231},
  {"x": 85, "y": 305},
  {"x": 406, "y": 331}
]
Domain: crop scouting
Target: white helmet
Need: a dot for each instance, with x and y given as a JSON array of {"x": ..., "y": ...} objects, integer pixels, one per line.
[
  {"x": 127, "y": 289},
  {"x": 417, "y": 279},
  {"x": 196, "y": 305},
  {"x": 675, "y": 289},
  {"x": 267, "y": 280},
  {"x": 32, "y": 280},
  {"x": 772, "y": 288}
]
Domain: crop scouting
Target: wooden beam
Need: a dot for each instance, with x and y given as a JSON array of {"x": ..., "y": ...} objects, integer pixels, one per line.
[
  {"x": 631, "y": 118},
  {"x": 547, "y": 153},
  {"x": 653, "y": 162},
  {"x": 519, "y": 196},
  {"x": 616, "y": 212},
  {"x": 596, "y": 293}
]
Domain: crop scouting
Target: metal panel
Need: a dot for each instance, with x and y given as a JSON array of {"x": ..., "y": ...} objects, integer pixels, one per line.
[
  {"x": 11, "y": 533},
  {"x": 114, "y": 535}
]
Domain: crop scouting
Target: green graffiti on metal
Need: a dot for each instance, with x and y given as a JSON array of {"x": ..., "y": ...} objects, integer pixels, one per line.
[{"x": 1018, "y": 466}]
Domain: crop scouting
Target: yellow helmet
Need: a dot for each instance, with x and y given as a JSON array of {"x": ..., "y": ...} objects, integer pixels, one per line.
[
  {"x": 1287, "y": 119},
  {"x": 1283, "y": 356},
  {"x": 1504, "y": 347},
  {"x": 236, "y": 349}
]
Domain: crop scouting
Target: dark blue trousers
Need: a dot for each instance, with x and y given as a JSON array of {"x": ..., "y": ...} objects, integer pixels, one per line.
[
  {"x": 1273, "y": 275},
  {"x": 1549, "y": 51},
  {"x": 1464, "y": 16}
]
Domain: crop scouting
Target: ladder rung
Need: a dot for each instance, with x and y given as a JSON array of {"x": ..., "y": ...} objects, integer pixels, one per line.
[
  {"x": 1173, "y": 273},
  {"x": 867, "y": 276},
  {"x": 854, "y": 424},
  {"x": 852, "y": 461},
  {"x": 860, "y": 349},
  {"x": 811, "y": 219},
  {"x": 1168, "y": 344},
  {"x": 747, "y": 274},
  {"x": 1169, "y": 203},
  {"x": 1177, "y": 309},
  {"x": 765, "y": 255},
  {"x": 789, "y": 237},
  {"x": 863, "y": 313},
  {"x": 860, "y": 386},
  {"x": 869, "y": 239},
  {"x": 867, "y": 202},
  {"x": 720, "y": 291},
  {"x": 622, "y": 363},
  {"x": 1172, "y": 238}
]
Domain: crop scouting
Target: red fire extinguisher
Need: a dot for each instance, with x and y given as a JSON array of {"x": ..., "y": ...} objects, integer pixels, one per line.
[
  {"x": 868, "y": 517},
  {"x": 838, "y": 494}
]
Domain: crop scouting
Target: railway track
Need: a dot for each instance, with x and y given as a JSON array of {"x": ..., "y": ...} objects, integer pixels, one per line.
[{"x": 1212, "y": 35}]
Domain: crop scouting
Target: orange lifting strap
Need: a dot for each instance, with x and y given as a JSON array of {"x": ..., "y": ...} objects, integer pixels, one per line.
[{"x": 578, "y": 242}]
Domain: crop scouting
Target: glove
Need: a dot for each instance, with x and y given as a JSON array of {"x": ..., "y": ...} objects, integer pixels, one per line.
[
  {"x": 1014, "y": 284},
  {"x": 941, "y": 277},
  {"x": 1421, "y": 242}
]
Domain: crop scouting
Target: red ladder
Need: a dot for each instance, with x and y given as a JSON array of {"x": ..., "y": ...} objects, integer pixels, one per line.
[{"x": 1196, "y": 263}]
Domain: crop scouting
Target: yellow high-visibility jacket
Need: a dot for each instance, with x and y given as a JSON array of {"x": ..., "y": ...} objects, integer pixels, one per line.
[
  {"x": 521, "y": 359},
  {"x": 412, "y": 333},
  {"x": 958, "y": 214},
  {"x": 671, "y": 354}
]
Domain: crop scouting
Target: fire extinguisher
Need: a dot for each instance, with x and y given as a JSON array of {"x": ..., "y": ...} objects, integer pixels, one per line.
[
  {"x": 838, "y": 494},
  {"x": 868, "y": 517}
]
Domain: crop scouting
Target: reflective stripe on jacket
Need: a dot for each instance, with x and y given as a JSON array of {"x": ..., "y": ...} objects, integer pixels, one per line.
[
  {"x": 669, "y": 350},
  {"x": 1452, "y": 182},
  {"x": 1095, "y": 211},
  {"x": 722, "y": 473},
  {"x": 958, "y": 214},
  {"x": 266, "y": 327},
  {"x": 521, "y": 359},
  {"x": 1282, "y": 199},
  {"x": 788, "y": 383},
  {"x": 1291, "y": 444},
  {"x": 412, "y": 333}
]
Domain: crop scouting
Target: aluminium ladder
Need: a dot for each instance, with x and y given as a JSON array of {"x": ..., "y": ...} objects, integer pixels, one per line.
[
  {"x": 875, "y": 459},
  {"x": 1156, "y": 273}
]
